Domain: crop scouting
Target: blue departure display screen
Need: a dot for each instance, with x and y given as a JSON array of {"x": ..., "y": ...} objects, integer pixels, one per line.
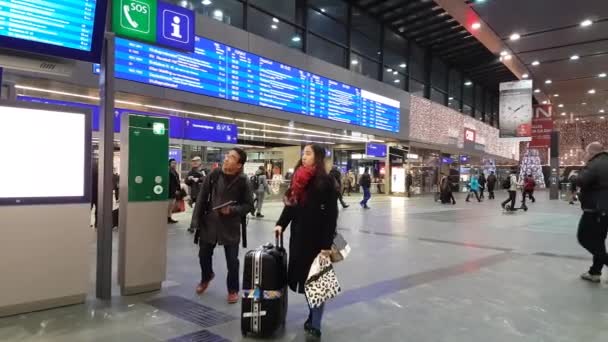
[
  {"x": 69, "y": 24},
  {"x": 221, "y": 71},
  {"x": 179, "y": 127},
  {"x": 376, "y": 150}
]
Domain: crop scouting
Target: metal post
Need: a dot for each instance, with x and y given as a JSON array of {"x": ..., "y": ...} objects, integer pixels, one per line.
[
  {"x": 106, "y": 160},
  {"x": 554, "y": 160}
]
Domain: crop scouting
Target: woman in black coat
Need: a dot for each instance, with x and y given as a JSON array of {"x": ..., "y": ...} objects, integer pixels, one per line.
[{"x": 311, "y": 210}]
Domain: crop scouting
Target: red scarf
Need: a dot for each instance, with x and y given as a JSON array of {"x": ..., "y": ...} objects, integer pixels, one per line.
[{"x": 301, "y": 178}]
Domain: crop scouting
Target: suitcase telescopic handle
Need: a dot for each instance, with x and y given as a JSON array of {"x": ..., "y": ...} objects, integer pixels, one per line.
[{"x": 279, "y": 239}]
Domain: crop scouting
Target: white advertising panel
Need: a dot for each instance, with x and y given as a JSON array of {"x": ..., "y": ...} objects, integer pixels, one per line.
[{"x": 516, "y": 109}]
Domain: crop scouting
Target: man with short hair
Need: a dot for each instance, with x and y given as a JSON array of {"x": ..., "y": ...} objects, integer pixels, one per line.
[
  {"x": 593, "y": 226},
  {"x": 491, "y": 181},
  {"x": 224, "y": 200}
]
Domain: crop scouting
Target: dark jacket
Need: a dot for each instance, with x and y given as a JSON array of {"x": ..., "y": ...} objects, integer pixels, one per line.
[
  {"x": 313, "y": 228},
  {"x": 491, "y": 181},
  {"x": 173, "y": 183},
  {"x": 365, "y": 180},
  {"x": 217, "y": 228},
  {"x": 195, "y": 185},
  {"x": 482, "y": 180},
  {"x": 336, "y": 175},
  {"x": 593, "y": 182},
  {"x": 409, "y": 180}
]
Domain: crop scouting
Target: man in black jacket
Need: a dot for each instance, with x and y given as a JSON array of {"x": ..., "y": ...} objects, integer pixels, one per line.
[
  {"x": 223, "y": 201},
  {"x": 174, "y": 188},
  {"x": 491, "y": 181},
  {"x": 366, "y": 182},
  {"x": 593, "y": 226},
  {"x": 335, "y": 173}
]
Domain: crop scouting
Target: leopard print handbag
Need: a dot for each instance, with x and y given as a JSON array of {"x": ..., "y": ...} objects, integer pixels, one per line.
[{"x": 322, "y": 284}]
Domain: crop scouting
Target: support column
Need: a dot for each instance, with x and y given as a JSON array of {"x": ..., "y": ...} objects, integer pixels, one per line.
[{"x": 554, "y": 162}]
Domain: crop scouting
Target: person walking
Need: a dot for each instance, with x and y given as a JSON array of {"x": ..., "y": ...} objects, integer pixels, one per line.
[
  {"x": 512, "y": 189},
  {"x": 491, "y": 183},
  {"x": 224, "y": 200},
  {"x": 337, "y": 176},
  {"x": 529, "y": 185},
  {"x": 482, "y": 184},
  {"x": 446, "y": 191},
  {"x": 409, "y": 180},
  {"x": 473, "y": 188},
  {"x": 349, "y": 181},
  {"x": 261, "y": 189},
  {"x": 593, "y": 225},
  {"x": 311, "y": 211},
  {"x": 174, "y": 189},
  {"x": 365, "y": 182}
]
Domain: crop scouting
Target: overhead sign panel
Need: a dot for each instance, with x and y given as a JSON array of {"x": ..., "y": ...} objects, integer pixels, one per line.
[
  {"x": 376, "y": 150},
  {"x": 516, "y": 109},
  {"x": 542, "y": 126},
  {"x": 222, "y": 71},
  {"x": 66, "y": 28}
]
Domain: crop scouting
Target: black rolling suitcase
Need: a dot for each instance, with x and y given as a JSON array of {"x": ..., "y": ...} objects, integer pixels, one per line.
[{"x": 264, "y": 304}]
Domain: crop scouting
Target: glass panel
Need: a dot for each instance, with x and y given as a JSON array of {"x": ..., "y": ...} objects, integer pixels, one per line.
[
  {"x": 478, "y": 115},
  {"x": 479, "y": 98},
  {"x": 363, "y": 22},
  {"x": 454, "y": 104},
  {"x": 417, "y": 67},
  {"x": 364, "y": 66},
  {"x": 264, "y": 25},
  {"x": 437, "y": 96},
  {"x": 336, "y": 9},
  {"x": 466, "y": 109},
  {"x": 488, "y": 105},
  {"x": 468, "y": 93},
  {"x": 365, "y": 46},
  {"x": 326, "y": 27},
  {"x": 325, "y": 50},
  {"x": 284, "y": 8},
  {"x": 439, "y": 75},
  {"x": 455, "y": 84},
  {"x": 416, "y": 88},
  {"x": 393, "y": 77},
  {"x": 227, "y": 11}
]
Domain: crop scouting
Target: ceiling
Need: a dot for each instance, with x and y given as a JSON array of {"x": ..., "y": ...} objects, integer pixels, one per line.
[
  {"x": 551, "y": 33},
  {"x": 430, "y": 26}
]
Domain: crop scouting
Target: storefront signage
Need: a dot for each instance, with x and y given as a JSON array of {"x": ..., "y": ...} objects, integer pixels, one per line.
[
  {"x": 469, "y": 135},
  {"x": 224, "y": 72},
  {"x": 154, "y": 22},
  {"x": 542, "y": 126}
]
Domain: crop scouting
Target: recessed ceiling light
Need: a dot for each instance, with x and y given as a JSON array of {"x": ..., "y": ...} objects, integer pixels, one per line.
[
  {"x": 450, "y": 98},
  {"x": 396, "y": 81},
  {"x": 601, "y": 117},
  {"x": 296, "y": 39},
  {"x": 525, "y": 76},
  {"x": 395, "y": 72},
  {"x": 206, "y": 2},
  {"x": 274, "y": 27},
  {"x": 555, "y": 95},
  {"x": 584, "y": 103},
  {"x": 507, "y": 57},
  {"x": 602, "y": 75},
  {"x": 354, "y": 62},
  {"x": 476, "y": 25},
  {"x": 504, "y": 53},
  {"x": 535, "y": 63},
  {"x": 468, "y": 83},
  {"x": 548, "y": 82},
  {"x": 561, "y": 105},
  {"x": 323, "y": 10},
  {"x": 218, "y": 14},
  {"x": 602, "y": 111},
  {"x": 563, "y": 113},
  {"x": 389, "y": 70},
  {"x": 402, "y": 65},
  {"x": 577, "y": 119},
  {"x": 537, "y": 91},
  {"x": 586, "y": 22},
  {"x": 574, "y": 57},
  {"x": 545, "y": 102},
  {"x": 275, "y": 20},
  {"x": 515, "y": 36},
  {"x": 591, "y": 91}
]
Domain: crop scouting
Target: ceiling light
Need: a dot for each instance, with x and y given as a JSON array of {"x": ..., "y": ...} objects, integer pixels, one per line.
[
  {"x": 396, "y": 81},
  {"x": 555, "y": 95},
  {"x": 476, "y": 25},
  {"x": 584, "y": 103},
  {"x": 507, "y": 57},
  {"x": 577, "y": 119},
  {"x": 535, "y": 63},
  {"x": 561, "y": 105},
  {"x": 504, "y": 53},
  {"x": 275, "y": 20},
  {"x": 525, "y": 76},
  {"x": 548, "y": 82},
  {"x": 601, "y": 117},
  {"x": 296, "y": 39},
  {"x": 545, "y": 102},
  {"x": 574, "y": 57},
  {"x": 323, "y": 10},
  {"x": 468, "y": 83},
  {"x": 389, "y": 70},
  {"x": 274, "y": 27},
  {"x": 602, "y": 75},
  {"x": 395, "y": 72},
  {"x": 515, "y": 36},
  {"x": 206, "y": 2},
  {"x": 563, "y": 113},
  {"x": 450, "y": 98},
  {"x": 602, "y": 111},
  {"x": 402, "y": 65},
  {"x": 218, "y": 14},
  {"x": 354, "y": 62},
  {"x": 591, "y": 91},
  {"x": 586, "y": 22},
  {"x": 537, "y": 91}
]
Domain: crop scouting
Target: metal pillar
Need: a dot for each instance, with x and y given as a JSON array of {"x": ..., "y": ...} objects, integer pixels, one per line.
[
  {"x": 106, "y": 168},
  {"x": 554, "y": 162}
]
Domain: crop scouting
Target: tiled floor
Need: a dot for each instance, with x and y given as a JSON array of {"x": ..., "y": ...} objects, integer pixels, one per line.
[{"x": 419, "y": 272}]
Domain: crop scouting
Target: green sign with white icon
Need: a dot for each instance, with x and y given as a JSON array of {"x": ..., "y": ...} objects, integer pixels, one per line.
[{"x": 135, "y": 19}]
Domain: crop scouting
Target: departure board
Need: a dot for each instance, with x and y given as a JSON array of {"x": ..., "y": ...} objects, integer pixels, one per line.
[
  {"x": 67, "y": 24},
  {"x": 222, "y": 71}
]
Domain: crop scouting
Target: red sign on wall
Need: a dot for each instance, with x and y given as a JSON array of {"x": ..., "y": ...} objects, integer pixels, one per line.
[
  {"x": 469, "y": 135},
  {"x": 542, "y": 125}
]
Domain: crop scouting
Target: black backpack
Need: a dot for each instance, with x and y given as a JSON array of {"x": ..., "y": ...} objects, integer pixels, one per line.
[
  {"x": 506, "y": 184},
  {"x": 255, "y": 182}
]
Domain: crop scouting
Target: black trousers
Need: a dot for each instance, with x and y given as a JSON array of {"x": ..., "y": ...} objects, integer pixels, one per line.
[
  {"x": 476, "y": 195},
  {"x": 491, "y": 193},
  {"x": 481, "y": 190},
  {"x": 512, "y": 198},
  {"x": 529, "y": 194},
  {"x": 205, "y": 255},
  {"x": 592, "y": 230},
  {"x": 341, "y": 199}
]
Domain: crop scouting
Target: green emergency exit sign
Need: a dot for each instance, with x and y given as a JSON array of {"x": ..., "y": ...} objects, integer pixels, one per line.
[{"x": 135, "y": 19}]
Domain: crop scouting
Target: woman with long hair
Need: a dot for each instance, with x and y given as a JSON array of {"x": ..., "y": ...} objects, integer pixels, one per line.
[{"x": 311, "y": 210}]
